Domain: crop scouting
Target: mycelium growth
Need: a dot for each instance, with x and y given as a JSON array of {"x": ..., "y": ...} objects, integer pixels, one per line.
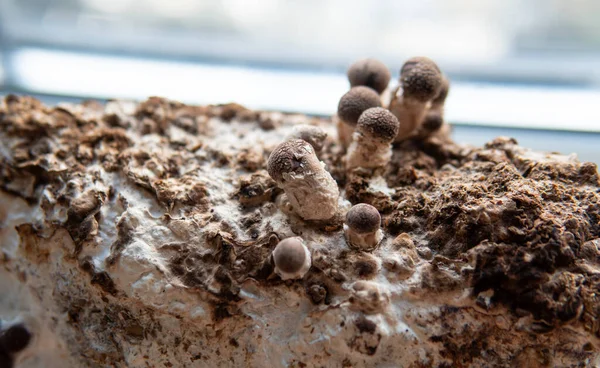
[{"x": 145, "y": 234}]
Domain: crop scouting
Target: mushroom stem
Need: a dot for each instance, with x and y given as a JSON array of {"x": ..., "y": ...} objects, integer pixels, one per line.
[
  {"x": 366, "y": 241},
  {"x": 345, "y": 132},
  {"x": 410, "y": 112},
  {"x": 313, "y": 194},
  {"x": 367, "y": 153}
]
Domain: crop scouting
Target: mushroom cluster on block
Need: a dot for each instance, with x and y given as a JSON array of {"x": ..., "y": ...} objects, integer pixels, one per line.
[
  {"x": 164, "y": 234},
  {"x": 371, "y": 117}
]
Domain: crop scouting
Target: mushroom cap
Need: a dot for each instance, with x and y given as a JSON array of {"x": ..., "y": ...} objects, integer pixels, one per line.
[
  {"x": 441, "y": 97},
  {"x": 363, "y": 218},
  {"x": 369, "y": 72},
  {"x": 433, "y": 121},
  {"x": 417, "y": 61},
  {"x": 289, "y": 255},
  {"x": 15, "y": 338},
  {"x": 421, "y": 79},
  {"x": 355, "y": 101},
  {"x": 379, "y": 123},
  {"x": 310, "y": 133},
  {"x": 290, "y": 156}
]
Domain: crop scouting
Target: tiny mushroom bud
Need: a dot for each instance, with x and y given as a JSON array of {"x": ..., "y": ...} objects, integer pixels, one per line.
[
  {"x": 350, "y": 107},
  {"x": 15, "y": 338},
  {"x": 362, "y": 227},
  {"x": 310, "y": 133},
  {"x": 310, "y": 189},
  {"x": 371, "y": 144},
  {"x": 291, "y": 258},
  {"x": 371, "y": 73},
  {"x": 432, "y": 122},
  {"x": 420, "y": 82}
]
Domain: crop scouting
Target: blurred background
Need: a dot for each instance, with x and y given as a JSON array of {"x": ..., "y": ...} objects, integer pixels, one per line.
[{"x": 524, "y": 68}]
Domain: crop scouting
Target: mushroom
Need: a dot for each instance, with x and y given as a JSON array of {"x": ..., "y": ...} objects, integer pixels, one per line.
[
  {"x": 371, "y": 73},
  {"x": 310, "y": 189},
  {"x": 420, "y": 82},
  {"x": 434, "y": 118},
  {"x": 15, "y": 338},
  {"x": 362, "y": 227},
  {"x": 291, "y": 258},
  {"x": 350, "y": 107},
  {"x": 371, "y": 143},
  {"x": 310, "y": 133}
]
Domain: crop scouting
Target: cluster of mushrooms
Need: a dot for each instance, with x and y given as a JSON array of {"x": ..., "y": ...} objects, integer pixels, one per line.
[{"x": 370, "y": 118}]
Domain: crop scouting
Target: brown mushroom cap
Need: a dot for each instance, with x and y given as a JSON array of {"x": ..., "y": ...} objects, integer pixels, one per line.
[
  {"x": 379, "y": 123},
  {"x": 289, "y": 255},
  {"x": 363, "y": 218},
  {"x": 289, "y": 156},
  {"x": 371, "y": 73},
  {"x": 312, "y": 134},
  {"x": 355, "y": 101},
  {"x": 433, "y": 121},
  {"x": 421, "y": 79},
  {"x": 418, "y": 61}
]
